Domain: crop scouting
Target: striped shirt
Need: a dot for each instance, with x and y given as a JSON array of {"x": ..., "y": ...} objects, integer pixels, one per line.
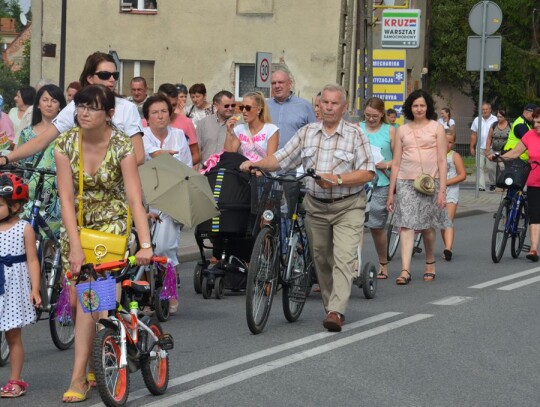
[{"x": 344, "y": 151}]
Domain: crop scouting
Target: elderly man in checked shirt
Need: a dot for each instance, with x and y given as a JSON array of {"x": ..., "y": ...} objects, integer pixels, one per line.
[{"x": 340, "y": 153}]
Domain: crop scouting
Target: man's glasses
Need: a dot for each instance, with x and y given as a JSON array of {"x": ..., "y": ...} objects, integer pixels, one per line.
[
  {"x": 246, "y": 107},
  {"x": 106, "y": 75},
  {"x": 232, "y": 106},
  {"x": 90, "y": 109}
]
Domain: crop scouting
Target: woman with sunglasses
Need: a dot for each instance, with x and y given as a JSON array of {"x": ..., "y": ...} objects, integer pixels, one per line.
[
  {"x": 99, "y": 69},
  {"x": 256, "y": 138}
]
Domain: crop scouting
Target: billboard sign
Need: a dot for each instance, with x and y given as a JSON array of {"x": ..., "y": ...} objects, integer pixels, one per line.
[{"x": 400, "y": 28}]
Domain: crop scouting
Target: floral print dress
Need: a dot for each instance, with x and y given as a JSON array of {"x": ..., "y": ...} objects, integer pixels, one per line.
[{"x": 104, "y": 200}]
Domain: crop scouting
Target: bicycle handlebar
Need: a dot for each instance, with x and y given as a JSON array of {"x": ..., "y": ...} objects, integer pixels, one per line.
[
  {"x": 310, "y": 172},
  {"x": 87, "y": 268},
  {"x": 22, "y": 168}
]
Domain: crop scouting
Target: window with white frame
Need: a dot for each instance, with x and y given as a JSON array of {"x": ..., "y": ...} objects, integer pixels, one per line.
[
  {"x": 131, "y": 69},
  {"x": 245, "y": 81}
]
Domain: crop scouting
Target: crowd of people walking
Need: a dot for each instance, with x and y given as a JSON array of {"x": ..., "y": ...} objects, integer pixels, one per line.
[{"x": 413, "y": 168}]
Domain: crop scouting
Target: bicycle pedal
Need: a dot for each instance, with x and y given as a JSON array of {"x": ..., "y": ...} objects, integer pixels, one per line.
[{"x": 165, "y": 341}]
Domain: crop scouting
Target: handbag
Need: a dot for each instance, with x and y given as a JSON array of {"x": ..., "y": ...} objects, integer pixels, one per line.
[
  {"x": 99, "y": 247},
  {"x": 424, "y": 183}
]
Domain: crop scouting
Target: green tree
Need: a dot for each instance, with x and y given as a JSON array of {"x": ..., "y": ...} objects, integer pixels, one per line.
[{"x": 517, "y": 82}]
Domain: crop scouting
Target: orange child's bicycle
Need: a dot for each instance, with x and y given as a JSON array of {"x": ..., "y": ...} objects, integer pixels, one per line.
[{"x": 124, "y": 342}]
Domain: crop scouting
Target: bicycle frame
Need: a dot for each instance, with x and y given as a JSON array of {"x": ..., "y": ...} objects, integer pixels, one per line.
[
  {"x": 38, "y": 222},
  {"x": 128, "y": 332},
  {"x": 516, "y": 202}
]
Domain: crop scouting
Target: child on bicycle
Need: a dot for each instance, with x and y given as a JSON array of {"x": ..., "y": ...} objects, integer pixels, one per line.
[
  {"x": 456, "y": 174},
  {"x": 19, "y": 277}
]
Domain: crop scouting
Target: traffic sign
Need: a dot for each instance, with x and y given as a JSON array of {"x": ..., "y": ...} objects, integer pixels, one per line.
[
  {"x": 263, "y": 69},
  {"x": 493, "y": 17},
  {"x": 492, "y": 61}
]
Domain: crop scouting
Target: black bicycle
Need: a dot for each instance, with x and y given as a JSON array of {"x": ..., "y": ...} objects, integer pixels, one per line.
[
  {"x": 512, "y": 217},
  {"x": 270, "y": 265}
]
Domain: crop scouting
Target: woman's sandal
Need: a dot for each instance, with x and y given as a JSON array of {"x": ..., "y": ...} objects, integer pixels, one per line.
[
  {"x": 91, "y": 379},
  {"x": 75, "y": 395},
  {"x": 381, "y": 275},
  {"x": 429, "y": 276},
  {"x": 404, "y": 280},
  {"x": 447, "y": 255},
  {"x": 14, "y": 389}
]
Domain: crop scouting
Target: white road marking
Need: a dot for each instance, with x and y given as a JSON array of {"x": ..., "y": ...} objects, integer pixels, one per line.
[
  {"x": 261, "y": 354},
  {"x": 520, "y": 284},
  {"x": 453, "y": 300},
  {"x": 284, "y": 361},
  {"x": 506, "y": 278}
]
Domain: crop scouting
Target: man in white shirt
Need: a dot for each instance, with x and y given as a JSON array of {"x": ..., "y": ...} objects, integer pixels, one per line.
[
  {"x": 485, "y": 165},
  {"x": 139, "y": 93}
]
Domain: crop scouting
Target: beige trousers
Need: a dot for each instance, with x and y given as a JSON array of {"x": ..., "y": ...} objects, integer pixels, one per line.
[{"x": 334, "y": 235}]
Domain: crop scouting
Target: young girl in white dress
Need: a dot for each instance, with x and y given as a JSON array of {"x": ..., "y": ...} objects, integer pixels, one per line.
[{"x": 19, "y": 277}]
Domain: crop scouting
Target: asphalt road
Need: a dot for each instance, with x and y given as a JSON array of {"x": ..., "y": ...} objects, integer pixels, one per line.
[{"x": 467, "y": 339}]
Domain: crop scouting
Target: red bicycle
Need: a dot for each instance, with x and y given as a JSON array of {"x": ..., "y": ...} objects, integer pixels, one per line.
[{"x": 126, "y": 343}]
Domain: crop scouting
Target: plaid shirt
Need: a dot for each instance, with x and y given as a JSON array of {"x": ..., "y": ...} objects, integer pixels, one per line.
[{"x": 346, "y": 150}]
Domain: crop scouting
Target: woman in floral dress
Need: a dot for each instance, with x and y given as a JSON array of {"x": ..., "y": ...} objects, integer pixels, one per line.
[{"x": 111, "y": 183}]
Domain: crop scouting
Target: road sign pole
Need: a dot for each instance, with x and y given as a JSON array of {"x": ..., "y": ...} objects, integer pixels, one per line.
[{"x": 480, "y": 98}]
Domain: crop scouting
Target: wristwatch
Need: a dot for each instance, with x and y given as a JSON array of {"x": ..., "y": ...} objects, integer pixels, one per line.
[
  {"x": 339, "y": 180},
  {"x": 146, "y": 245}
]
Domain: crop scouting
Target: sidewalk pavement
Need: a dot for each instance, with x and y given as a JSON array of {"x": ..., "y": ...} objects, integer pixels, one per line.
[{"x": 469, "y": 204}]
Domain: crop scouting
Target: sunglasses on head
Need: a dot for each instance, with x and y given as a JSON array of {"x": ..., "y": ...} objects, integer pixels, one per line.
[
  {"x": 246, "y": 107},
  {"x": 232, "y": 105},
  {"x": 105, "y": 75}
]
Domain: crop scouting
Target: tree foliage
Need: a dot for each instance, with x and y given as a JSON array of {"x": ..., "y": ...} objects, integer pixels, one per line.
[{"x": 517, "y": 83}]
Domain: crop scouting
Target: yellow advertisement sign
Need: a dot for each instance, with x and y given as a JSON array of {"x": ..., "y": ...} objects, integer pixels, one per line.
[{"x": 390, "y": 78}]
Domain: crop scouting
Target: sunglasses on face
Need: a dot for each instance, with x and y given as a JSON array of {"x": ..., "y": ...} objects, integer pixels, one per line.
[
  {"x": 246, "y": 107},
  {"x": 232, "y": 106},
  {"x": 105, "y": 75}
]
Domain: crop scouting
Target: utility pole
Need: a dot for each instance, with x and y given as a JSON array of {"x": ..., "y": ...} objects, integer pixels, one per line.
[{"x": 364, "y": 50}]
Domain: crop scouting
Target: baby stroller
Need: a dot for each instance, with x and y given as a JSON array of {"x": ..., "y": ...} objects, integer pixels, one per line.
[{"x": 229, "y": 234}]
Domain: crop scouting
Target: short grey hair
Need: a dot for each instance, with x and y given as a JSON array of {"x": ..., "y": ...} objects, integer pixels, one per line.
[
  {"x": 334, "y": 87},
  {"x": 284, "y": 70}
]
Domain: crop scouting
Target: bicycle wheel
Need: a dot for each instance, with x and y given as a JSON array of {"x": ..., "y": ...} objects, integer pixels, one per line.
[
  {"x": 262, "y": 279},
  {"x": 518, "y": 238},
  {"x": 112, "y": 380},
  {"x": 62, "y": 330},
  {"x": 500, "y": 235},
  {"x": 161, "y": 307},
  {"x": 392, "y": 234},
  {"x": 298, "y": 284},
  {"x": 155, "y": 364},
  {"x": 4, "y": 349}
]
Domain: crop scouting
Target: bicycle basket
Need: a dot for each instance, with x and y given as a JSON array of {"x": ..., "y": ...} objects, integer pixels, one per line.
[
  {"x": 514, "y": 175},
  {"x": 99, "y": 295},
  {"x": 265, "y": 194}
]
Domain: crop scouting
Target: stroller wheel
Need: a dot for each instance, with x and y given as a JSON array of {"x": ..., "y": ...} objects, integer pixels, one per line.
[
  {"x": 197, "y": 276},
  {"x": 219, "y": 286},
  {"x": 368, "y": 278},
  {"x": 206, "y": 288}
]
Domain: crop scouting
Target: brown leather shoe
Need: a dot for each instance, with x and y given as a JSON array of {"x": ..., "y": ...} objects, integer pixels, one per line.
[{"x": 333, "y": 321}]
